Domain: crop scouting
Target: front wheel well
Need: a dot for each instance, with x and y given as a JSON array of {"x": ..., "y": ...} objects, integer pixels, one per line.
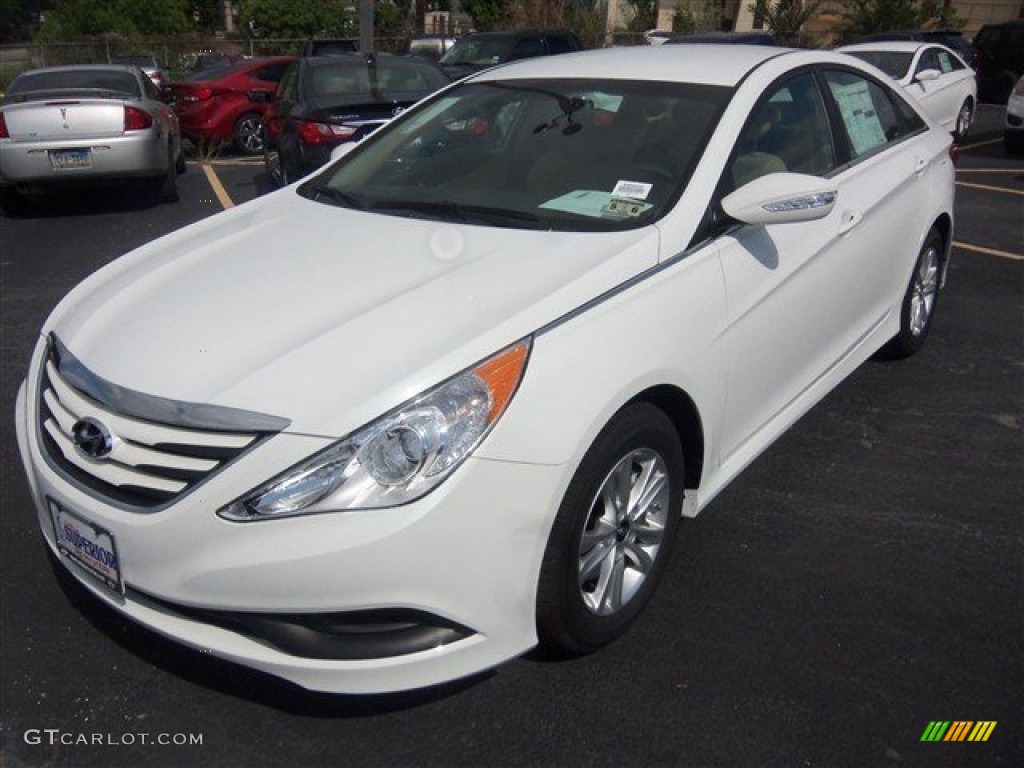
[{"x": 683, "y": 413}]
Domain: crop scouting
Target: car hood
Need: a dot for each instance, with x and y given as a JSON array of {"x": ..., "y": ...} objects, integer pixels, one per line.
[{"x": 327, "y": 316}]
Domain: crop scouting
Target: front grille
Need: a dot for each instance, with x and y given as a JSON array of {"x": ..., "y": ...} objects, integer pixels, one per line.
[{"x": 151, "y": 462}]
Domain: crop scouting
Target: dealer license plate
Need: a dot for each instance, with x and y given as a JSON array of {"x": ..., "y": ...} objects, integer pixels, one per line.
[
  {"x": 63, "y": 159},
  {"x": 88, "y": 545}
]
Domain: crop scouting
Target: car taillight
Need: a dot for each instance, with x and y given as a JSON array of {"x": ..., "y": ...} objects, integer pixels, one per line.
[
  {"x": 3, "y": 128},
  {"x": 199, "y": 94},
  {"x": 136, "y": 120},
  {"x": 323, "y": 133}
]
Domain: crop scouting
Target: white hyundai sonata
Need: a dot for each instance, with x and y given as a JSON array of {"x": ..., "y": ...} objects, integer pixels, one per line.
[
  {"x": 448, "y": 398},
  {"x": 932, "y": 74}
]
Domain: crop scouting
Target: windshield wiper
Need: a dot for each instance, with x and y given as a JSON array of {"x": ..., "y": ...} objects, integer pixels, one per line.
[
  {"x": 337, "y": 197},
  {"x": 446, "y": 210}
]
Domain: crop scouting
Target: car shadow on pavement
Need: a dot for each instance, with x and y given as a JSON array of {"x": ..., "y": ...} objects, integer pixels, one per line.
[
  {"x": 237, "y": 681},
  {"x": 79, "y": 201}
]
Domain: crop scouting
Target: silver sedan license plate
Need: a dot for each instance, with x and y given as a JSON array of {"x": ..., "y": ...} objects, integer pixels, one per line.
[
  {"x": 66, "y": 159},
  {"x": 88, "y": 545}
]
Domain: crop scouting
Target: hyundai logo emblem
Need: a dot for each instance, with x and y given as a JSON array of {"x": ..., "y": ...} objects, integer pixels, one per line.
[{"x": 92, "y": 439}]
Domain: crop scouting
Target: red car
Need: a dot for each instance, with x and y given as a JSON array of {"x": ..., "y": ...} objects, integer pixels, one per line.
[{"x": 216, "y": 106}]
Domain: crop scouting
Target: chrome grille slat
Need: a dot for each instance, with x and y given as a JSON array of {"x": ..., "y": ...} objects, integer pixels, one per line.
[
  {"x": 137, "y": 430},
  {"x": 127, "y": 452},
  {"x": 115, "y": 474},
  {"x": 150, "y": 462}
]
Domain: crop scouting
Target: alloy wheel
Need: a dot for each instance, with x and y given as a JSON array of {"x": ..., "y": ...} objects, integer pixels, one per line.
[
  {"x": 624, "y": 532},
  {"x": 925, "y": 288}
]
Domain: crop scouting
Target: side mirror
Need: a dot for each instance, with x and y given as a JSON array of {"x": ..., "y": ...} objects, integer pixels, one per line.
[
  {"x": 925, "y": 75},
  {"x": 781, "y": 198}
]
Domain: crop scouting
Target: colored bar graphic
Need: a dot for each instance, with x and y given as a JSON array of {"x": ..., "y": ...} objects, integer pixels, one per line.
[
  {"x": 982, "y": 730},
  {"x": 958, "y": 730}
]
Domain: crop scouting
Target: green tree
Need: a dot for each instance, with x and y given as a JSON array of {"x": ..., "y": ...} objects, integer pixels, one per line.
[
  {"x": 80, "y": 19},
  {"x": 865, "y": 16},
  {"x": 786, "y": 18},
  {"x": 271, "y": 19},
  {"x": 643, "y": 15},
  {"x": 488, "y": 14}
]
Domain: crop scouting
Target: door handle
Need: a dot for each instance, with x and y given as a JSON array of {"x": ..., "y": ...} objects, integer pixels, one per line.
[
  {"x": 919, "y": 165},
  {"x": 849, "y": 220}
]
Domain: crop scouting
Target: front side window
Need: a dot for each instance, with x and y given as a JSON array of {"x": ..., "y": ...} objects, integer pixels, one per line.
[
  {"x": 929, "y": 60},
  {"x": 554, "y": 154},
  {"x": 869, "y": 116},
  {"x": 788, "y": 131}
]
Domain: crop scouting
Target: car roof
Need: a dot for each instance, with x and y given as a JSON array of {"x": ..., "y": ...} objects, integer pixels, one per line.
[
  {"x": 78, "y": 67},
  {"x": 896, "y": 46},
  {"x": 707, "y": 63}
]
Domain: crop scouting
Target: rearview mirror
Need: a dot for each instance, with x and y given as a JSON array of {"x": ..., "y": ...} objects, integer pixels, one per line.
[{"x": 781, "y": 198}]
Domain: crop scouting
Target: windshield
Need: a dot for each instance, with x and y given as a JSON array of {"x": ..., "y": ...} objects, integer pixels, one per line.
[
  {"x": 547, "y": 154},
  {"x": 478, "y": 51},
  {"x": 378, "y": 80},
  {"x": 116, "y": 80},
  {"x": 895, "y": 64}
]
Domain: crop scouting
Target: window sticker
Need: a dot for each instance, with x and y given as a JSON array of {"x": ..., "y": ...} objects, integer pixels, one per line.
[
  {"x": 596, "y": 204},
  {"x": 638, "y": 190},
  {"x": 862, "y": 121}
]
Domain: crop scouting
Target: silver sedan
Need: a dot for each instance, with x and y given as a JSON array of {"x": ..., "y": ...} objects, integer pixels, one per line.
[{"x": 85, "y": 124}]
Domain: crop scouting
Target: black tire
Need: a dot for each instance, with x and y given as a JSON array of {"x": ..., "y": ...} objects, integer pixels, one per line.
[
  {"x": 964, "y": 118},
  {"x": 164, "y": 189},
  {"x": 1013, "y": 142},
  {"x": 273, "y": 161},
  {"x": 248, "y": 134},
  {"x": 179, "y": 165},
  {"x": 603, "y": 561},
  {"x": 918, "y": 307}
]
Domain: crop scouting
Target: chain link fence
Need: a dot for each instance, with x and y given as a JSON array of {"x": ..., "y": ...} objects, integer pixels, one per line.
[{"x": 177, "y": 55}]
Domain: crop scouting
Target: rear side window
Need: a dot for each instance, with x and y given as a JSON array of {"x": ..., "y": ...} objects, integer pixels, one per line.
[
  {"x": 560, "y": 44},
  {"x": 948, "y": 62},
  {"x": 528, "y": 47},
  {"x": 870, "y": 115},
  {"x": 271, "y": 73}
]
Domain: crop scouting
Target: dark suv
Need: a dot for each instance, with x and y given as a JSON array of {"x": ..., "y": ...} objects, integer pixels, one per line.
[
  {"x": 999, "y": 59},
  {"x": 485, "y": 49}
]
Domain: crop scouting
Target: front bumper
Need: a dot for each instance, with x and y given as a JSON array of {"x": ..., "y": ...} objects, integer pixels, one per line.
[{"x": 447, "y": 584}]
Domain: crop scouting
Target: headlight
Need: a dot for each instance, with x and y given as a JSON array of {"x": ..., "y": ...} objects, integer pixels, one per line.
[{"x": 399, "y": 457}]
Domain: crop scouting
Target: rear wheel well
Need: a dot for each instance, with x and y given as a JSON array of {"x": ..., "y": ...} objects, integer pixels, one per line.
[{"x": 685, "y": 417}]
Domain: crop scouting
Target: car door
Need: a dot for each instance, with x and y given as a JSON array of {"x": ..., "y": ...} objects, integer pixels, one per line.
[
  {"x": 802, "y": 297},
  {"x": 938, "y": 96},
  {"x": 278, "y": 125}
]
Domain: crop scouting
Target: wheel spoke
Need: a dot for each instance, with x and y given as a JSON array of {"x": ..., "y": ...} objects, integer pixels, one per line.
[
  {"x": 602, "y": 531},
  {"x": 595, "y": 561},
  {"x": 642, "y": 561}
]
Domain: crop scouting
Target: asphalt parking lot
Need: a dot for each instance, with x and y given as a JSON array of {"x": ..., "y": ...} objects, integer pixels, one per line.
[{"x": 861, "y": 580}]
